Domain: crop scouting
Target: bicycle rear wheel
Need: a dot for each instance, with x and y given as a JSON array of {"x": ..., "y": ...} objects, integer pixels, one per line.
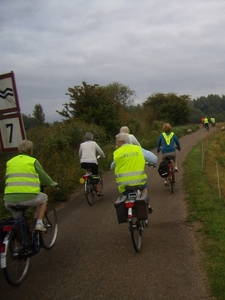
[
  {"x": 16, "y": 268},
  {"x": 89, "y": 192},
  {"x": 136, "y": 233},
  {"x": 50, "y": 222}
]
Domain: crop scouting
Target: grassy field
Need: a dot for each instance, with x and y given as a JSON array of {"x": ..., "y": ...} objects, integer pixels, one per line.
[{"x": 204, "y": 183}]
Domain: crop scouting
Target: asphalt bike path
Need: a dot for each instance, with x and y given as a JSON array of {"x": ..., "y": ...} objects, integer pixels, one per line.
[{"x": 94, "y": 257}]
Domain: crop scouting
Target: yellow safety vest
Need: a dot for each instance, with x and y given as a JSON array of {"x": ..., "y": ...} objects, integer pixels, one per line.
[
  {"x": 129, "y": 166},
  {"x": 21, "y": 176},
  {"x": 168, "y": 137}
]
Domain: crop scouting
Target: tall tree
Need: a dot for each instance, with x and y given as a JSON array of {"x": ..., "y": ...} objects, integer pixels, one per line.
[
  {"x": 91, "y": 104},
  {"x": 121, "y": 93},
  {"x": 39, "y": 115}
]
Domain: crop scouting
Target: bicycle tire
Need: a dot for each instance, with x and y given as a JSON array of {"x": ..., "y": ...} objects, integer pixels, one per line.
[
  {"x": 89, "y": 192},
  {"x": 16, "y": 269},
  {"x": 136, "y": 233},
  {"x": 51, "y": 224}
]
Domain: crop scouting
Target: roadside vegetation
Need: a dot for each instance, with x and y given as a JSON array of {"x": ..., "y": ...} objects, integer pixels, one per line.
[
  {"x": 204, "y": 183},
  {"x": 56, "y": 148}
]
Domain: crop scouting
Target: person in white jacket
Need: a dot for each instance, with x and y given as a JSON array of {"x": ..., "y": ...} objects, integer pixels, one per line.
[
  {"x": 150, "y": 157},
  {"x": 88, "y": 159},
  {"x": 132, "y": 138}
]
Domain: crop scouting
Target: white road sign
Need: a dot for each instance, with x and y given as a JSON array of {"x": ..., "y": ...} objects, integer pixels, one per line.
[
  {"x": 12, "y": 132},
  {"x": 8, "y": 94}
]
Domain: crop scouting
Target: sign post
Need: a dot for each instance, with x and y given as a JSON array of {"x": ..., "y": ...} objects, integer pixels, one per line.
[{"x": 11, "y": 123}]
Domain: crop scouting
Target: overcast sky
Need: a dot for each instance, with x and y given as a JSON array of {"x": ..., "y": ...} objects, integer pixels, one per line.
[{"x": 149, "y": 45}]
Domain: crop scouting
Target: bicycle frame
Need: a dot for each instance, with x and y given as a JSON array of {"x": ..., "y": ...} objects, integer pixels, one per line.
[
  {"x": 31, "y": 246},
  {"x": 21, "y": 242},
  {"x": 90, "y": 188},
  {"x": 136, "y": 226}
]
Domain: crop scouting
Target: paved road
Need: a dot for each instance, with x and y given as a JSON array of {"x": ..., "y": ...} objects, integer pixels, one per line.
[{"x": 94, "y": 257}]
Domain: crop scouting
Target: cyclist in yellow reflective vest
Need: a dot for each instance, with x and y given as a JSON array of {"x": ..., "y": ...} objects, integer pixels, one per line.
[
  {"x": 24, "y": 174},
  {"x": 129, "y": 165},
  {"x": 167, "y": 141}
]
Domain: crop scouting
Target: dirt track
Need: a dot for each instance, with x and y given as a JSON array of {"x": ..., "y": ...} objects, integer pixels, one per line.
[{"x": 94, "y": 257}]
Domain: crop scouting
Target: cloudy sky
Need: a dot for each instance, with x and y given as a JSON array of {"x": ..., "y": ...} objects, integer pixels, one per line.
[{"x": 149, "y": 45}]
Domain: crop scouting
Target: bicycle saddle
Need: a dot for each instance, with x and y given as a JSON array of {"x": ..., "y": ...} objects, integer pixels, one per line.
[{"x": 19, "y": 207}]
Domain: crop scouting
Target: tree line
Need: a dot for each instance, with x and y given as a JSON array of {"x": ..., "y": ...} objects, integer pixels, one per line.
[{"x": 113, "y": 105}]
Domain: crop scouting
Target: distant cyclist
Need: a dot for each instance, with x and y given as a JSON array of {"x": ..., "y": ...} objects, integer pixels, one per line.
[
  {"x": 132, "y": 138},
  {"x": 213, "y": 121},
  {"x": 168, "y": 141},
  {"x": 206, "y": 123},
  {"x": 87, "y": 154}
]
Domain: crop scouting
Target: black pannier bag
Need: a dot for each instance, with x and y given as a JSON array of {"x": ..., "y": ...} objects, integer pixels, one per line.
[
  {"x": 121, "y": 209},
  {"x": 163, "y": 169},
  {"x": 94, "y": 179},
  {"x": 141, "y": 207}
]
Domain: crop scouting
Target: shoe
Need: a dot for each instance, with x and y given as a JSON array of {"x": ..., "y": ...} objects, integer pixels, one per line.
[
  {"x": 40, "y": 227},
  {"x": 166, "y": 183},
  {"x": 150, "y": 210},
  {"x": 176, "y": 169},
  {"x": 99, "y": 194}
]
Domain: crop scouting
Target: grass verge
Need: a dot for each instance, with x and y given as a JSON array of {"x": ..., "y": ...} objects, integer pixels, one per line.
[{"x": 206, "y": 207}]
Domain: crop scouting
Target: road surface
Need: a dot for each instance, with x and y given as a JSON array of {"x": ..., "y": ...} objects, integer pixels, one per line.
[{"x": 94, "y": 257}]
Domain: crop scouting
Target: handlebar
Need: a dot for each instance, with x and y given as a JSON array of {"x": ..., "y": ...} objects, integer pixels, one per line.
[{"x": 161, "y": 149}]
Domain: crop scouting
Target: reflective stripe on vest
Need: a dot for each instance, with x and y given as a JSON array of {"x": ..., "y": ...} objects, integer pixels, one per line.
[
  {"x": 168, "y": 137},
  {"x": 21, "y": 176},
  {"x": 125, "y": 157}
]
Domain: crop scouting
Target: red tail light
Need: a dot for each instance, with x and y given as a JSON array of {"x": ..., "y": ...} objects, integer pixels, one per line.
[
  {"x": 2, "y": 248},
  {"x": 129, "y": 204},
  {"x": 7, "y": 228},
  {"x": 85, "y": 176}
]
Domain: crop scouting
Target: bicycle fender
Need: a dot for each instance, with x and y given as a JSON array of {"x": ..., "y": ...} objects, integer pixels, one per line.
[{"x": 3, "y": 255}]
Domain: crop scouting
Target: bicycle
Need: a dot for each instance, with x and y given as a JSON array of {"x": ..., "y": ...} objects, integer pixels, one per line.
[
  {"x": 133, "y": 209},
  {"x": 170, "y": 172},
  {"x": 206, "y": 125},
  {"x": 90, "y": 181},
  {"x": 22, "y": 241},
  {"x": 167, "y": 170}
]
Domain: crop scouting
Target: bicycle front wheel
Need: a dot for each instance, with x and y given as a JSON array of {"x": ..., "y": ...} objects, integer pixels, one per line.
[
  {"x": 16, "y": 268},
  {"x": 50, "y": 222},
  {"x": 136, "y": 233},
  {"x": 89, "y": 192}
]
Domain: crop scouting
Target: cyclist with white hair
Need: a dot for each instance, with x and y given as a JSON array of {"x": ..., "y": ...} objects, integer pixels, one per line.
[{"x": 132, "y": 138}]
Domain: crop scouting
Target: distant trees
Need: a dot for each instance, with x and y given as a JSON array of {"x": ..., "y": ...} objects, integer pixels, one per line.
[
  {"x": 211, "y": 106},
  {"x": 28, "y": 122},
  {"x": 39, "y": 115},
  {"x": 169, "y": 108},
  {"x": 38, "y": 118}
]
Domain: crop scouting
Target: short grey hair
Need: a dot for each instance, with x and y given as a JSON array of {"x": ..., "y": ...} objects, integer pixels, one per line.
[
  {"x": 88, "y": 136},
  {"x": 124, "y": 129},
  {"x": 123, "y": 137},
  {"x": 25, "y": 146}
]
